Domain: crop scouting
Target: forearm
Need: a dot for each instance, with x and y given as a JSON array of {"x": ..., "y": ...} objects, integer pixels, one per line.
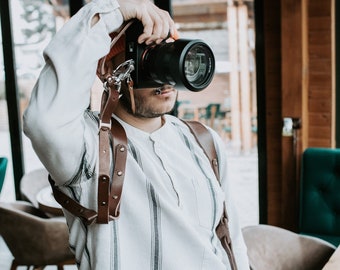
[
  {"x": 54, "y": 120},
  {"x": 73, "y": 55}
]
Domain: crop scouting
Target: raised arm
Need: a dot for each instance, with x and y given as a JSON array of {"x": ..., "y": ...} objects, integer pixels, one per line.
[{"x": 55, "y": 120}]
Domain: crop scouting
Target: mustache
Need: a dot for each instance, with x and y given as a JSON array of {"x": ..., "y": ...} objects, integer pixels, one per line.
[{"x": 159, "y": 90}]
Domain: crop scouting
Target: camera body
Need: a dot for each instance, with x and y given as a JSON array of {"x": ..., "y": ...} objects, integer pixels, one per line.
[{"x": 185, "y": 64}]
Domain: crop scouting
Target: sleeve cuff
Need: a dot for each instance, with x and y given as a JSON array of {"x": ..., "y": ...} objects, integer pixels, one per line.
[
  {"x": 112, "y": 19},
  {"x": 110, "y": 14}
]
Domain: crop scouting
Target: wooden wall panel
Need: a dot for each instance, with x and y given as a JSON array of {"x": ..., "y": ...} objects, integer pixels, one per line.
[
  {"x": 321, "y": 102},
  {"x": 294, "y": 36},
  {"x": 206, "y": 11},
  {"x": 300, "y": 83},
  {"x": 320, "y": 119}
]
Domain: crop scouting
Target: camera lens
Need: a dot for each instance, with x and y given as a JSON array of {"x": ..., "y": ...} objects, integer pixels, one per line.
[
  {"x": 183, "y": 63},
  {"x": 197, "y": 66}
]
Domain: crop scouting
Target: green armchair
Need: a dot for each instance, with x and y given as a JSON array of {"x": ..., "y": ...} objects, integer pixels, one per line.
[{"x": 320, "y": 194}]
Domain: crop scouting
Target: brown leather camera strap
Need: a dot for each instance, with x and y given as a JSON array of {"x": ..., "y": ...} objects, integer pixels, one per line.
[
  {"x": 88, "y": 216},
  {"x": 109, "y": 102},
  {"x": 112, "y": 196},
  {"x": 120, "y": 155},
  {"x": 205, "y": 140},
  {"x": 111, "y": 135},
  {"x": 109, "y": 199}
]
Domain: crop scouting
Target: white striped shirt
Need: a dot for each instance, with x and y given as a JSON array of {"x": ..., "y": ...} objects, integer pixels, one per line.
[{"x": 171, "y": 201}]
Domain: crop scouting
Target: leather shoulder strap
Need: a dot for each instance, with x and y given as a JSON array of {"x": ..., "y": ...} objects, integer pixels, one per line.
[
  {"x": 119, "y": 142},
  {"x": 88, "y": 216},
  {"x": 108, "y": 200},
  {"x": 206, "y": 141},
  {"x": 108, "y": 103}
]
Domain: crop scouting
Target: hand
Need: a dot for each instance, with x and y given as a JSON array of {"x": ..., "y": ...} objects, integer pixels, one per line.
[{"x": 157, "y": 22}]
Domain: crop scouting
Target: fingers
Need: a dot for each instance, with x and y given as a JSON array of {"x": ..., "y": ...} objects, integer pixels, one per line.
[
  {"x": 157, "y": 22},
  {"x": 157, "y": 27}
]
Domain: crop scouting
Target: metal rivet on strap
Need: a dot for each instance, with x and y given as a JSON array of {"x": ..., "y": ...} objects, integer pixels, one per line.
[
  {"x": 81, "y": 210},
  {"x": 115, "y": 197},
  {"x": 119, "y": 173},
  {"x": 104, "y": 178},
  {"x": 122, "y": 149},
  {"x": 215, "y": 162},
  {"x": 103, "y": 203},
  {"x": 67, "y": 201}
]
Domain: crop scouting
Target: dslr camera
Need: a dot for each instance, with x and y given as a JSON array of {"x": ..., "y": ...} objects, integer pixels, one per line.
[{"x": 184, "y": 63}]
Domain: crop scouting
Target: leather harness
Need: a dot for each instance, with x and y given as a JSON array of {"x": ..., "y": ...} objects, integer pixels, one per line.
[{"x": 112, "y": 134}]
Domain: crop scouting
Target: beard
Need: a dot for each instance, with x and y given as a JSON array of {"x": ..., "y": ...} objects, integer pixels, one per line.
[{"x": 145, "y": 104}]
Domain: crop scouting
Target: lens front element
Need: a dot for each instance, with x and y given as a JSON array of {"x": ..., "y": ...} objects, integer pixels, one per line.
[{"x": 198, "y": 66}]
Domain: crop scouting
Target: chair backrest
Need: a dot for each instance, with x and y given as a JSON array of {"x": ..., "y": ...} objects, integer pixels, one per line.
[
  {"x": 3, "y": 167},
  {"x": 32, "y": 238},
  {"x": 31, "y": 183},
  {"x": 274, "y": 248},
  {"x": 320, "y": 194}
]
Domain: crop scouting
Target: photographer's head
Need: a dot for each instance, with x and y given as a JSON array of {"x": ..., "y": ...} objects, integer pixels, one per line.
[
  {"x": 156, "y": 70},
  {"x": 142, "y": 102}
]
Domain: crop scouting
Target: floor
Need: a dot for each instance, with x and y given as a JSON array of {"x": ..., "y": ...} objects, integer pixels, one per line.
[{"x": 243, "y": 174}]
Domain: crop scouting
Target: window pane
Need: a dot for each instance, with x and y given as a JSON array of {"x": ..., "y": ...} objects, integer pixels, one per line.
[
  {"x": 228, "y": 105},
  {"x": 34, "y": 22}
]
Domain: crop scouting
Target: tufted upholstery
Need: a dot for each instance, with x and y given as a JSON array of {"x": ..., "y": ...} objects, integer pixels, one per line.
[{"x": 320, "y": 194}]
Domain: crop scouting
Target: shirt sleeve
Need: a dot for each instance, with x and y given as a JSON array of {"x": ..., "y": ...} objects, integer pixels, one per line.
[
  {"x": 55, "y": 118},
  {"x": 238, "y": 244}
]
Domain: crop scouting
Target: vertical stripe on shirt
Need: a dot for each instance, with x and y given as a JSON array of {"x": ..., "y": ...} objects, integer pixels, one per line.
[
  {"x": 115, "y": 263},
  {"x": 155, "y": 215},
  {"x": 155, "y": 228}
]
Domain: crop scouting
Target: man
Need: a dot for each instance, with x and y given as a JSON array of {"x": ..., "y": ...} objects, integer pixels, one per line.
[{"x": 171, "y": 201}]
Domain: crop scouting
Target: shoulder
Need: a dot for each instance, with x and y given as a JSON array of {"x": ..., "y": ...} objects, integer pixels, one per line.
[
  {"x": 186, "y": 128},
  {"x": 185, "y": 125}
]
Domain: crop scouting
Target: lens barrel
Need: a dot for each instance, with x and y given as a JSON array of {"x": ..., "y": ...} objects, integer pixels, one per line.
[{"x": 184, "y": 63}]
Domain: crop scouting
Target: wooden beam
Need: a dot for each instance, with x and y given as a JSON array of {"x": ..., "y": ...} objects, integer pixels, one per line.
[
  {"x": 205, "y": 11},
  {"x": 294, "y": 51},
  {"x": 234, "y": 77},
  {"x": 245, "y": 91}
]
